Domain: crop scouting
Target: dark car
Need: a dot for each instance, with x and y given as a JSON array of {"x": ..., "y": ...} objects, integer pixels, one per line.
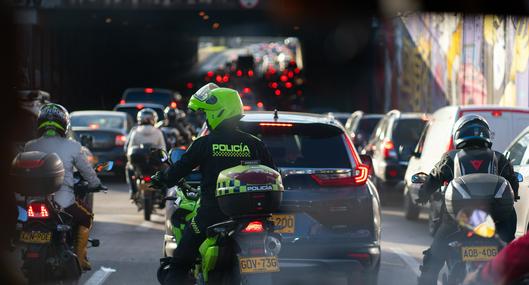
[
  {"x": 360, "y": 126},
  {"x": 391, "y": 146},
  {"x": 106, "y": 131},
  {"x": 132, "y": 109},
  {"x": 330, "y": 215},
  {"x": 164, "y": 97}
]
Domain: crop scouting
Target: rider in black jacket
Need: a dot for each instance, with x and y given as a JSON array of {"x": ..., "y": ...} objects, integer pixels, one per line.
[
  {"x": 473, "y": 155},
  {"x": 224, "y": 147}
]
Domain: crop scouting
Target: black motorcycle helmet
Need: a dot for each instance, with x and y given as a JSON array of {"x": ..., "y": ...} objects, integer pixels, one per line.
[
  {"x": 470, "y": 130},
  {"x": 180, "y": 115},
  {"x": 147, "y": 116},
  {"x": 53, "y": 119},
  {"x": 170, "y": 115}
]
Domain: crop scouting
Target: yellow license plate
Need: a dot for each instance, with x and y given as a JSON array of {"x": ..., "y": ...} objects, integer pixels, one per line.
[
  {"x": 286, "y": 223},
  {"x": 35, "y": 237},
  {"x": 258, "y": 264},
  {"x": 478, "y": 253}
]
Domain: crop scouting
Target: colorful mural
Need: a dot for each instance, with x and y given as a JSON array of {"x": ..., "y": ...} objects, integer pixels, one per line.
[{"x": 442, "y": 59}]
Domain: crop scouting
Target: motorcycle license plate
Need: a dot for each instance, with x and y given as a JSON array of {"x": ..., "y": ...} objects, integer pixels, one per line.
[
  {"x": 478, "y": 253},
  {"x": 258, "y": 264},
  {"x": 35, "y": 237},
  {"x": 286, "y": 223}
]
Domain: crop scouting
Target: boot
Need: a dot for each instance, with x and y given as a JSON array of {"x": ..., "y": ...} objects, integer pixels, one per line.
[{"x": 80, "y": 247}]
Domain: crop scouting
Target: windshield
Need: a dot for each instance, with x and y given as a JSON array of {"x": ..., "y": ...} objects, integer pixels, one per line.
[
  {"x": 312, "y": 146},
  {"x": 98, "y": 121}
]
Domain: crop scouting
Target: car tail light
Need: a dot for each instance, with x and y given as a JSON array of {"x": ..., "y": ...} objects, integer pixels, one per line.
[
  {"x": 260, "y": 104},
  {"x": 120, "y": 140},
  {"x": 250, "y": 73},
  {"x": 225, "y": 78},
  {"x": 210, "y": 74},
  {"x": 239, "y": 73},
  {"x": 360, "y": 176},
  {"x": 149, "y": 90},
  {"x": 283, "y": 78},
  {"x": 275, "y": 125},
  {"x": 393, "y": 173},
  {"x": 189, "y": 85},
  {"x": 361, "y": 172},
  {"x": 147, "y": 179},
  {"x": 277, "y": 92},
  {"x": 174, "y": 104},
  {"x": 30, "y": 164},
  {"x": 247, "y": 108},
  {"x": 290, "y": 74},
  {"x": 218, "y": 78},
  {"x": 139, "y": 106},
  {"x": 496, "y": 113},
  {"x": 122, "y": 101},
  {"x": 246, "y": 90},
  {"x": 297, "y": 70},
  {"x": 38, "y": 210},
  {"x": 288, "y": 85},
  {"x": 389, "y": 149},
  {"x": 274, "y": 85},
  {"x": 254, "y": 227}
]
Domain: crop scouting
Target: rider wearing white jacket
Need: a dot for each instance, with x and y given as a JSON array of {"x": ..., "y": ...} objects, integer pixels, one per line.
[
  {"x": 53, "y": 124},
  {"x": 144, "y": 133}
]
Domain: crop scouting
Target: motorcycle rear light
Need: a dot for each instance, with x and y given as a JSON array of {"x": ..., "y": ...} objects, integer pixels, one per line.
[
  {"x": 389, "y": 149},
  {"x": 174, "y": 105},
  {"x": 120, "y": 140},
  {"x": 30, "y": 164},
  {"x": 147, "y": 179},
  {"x": 38, "y": 211},
  {"x": 32, "y": 254},
  {"x": 254, "y": 227}
]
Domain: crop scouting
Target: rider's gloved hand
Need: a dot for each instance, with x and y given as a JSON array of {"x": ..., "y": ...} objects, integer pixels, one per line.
[
  {"x": 157, "y": 180},
  {"x": 423, "y": 198}
]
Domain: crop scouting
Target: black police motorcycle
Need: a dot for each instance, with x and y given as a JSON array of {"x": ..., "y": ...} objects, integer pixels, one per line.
[
  {"x": 468, "y": 200},
  {"x": 46, "y": 232}
]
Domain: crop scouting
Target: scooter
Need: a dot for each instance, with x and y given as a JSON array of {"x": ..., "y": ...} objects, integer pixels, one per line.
[
  {"x": 46, "y": 232},
  {"x": 240, "y": 250}
]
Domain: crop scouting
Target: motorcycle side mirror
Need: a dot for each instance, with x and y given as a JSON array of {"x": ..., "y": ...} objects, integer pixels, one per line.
[
  {"x": 175, "y": 154},
  {"x": 419, "y": 178},
  {"x": 519, "y": 176},
  {"x": 367, "y": 161},
  {"x": 104, "y": 166},
  {"x": 477, "y": 221}
]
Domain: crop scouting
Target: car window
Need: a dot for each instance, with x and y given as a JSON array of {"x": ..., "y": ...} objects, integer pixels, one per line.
[
  {"x": 98, "y": 121},
  {"x": 312, "y": 146},
  {"x": 518, "y": 153},
  {"x": 406, "y": 134},
  {"x": 420, "y": 144},
  {"x": 366, "y": 125}
]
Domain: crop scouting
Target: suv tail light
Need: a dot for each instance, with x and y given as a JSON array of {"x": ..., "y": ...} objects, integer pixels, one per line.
[
  {"x": 120, "y": 140},
  {"x": 389, "y": 149},
  {"x": 38, "y": 210},
  {"x": 360, "y": 176},
  {"x": 254, "y": 227}
]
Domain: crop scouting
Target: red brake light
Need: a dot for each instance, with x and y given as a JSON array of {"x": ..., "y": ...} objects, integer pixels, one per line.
[
  {"x": 290, "y": 74},
  {"x": 297, "y": 70},
  {"x": 254, "y": 227},
  {"x": 225, "y": 78},
  {"x": 189, "y": 85},
  {"x": 389, "y": 149},
  {"x": 38, "y": 210},
  {"x": 239, "y": 73},
  {"x": 149, "y": 90},
  {"x": 288, "y": 85},
  {"x": 283, "y": 78},
  {"x": 147, "y": 179},
  {"x": 30, "y": 163},
  {"x": 139, "y": 106},
  {"x": 210, "y": 74},
  {"x": 247, "y": 108},
  {"x": 275, "y": 124},
  {"x": 250, "y": 73},
  {"x": 273, "y": 85},
  {"x": 260, "y": 104},
  {"x": 122, "y": 101},
  {"x": 120, "y": 140},
  {"x": 496, "y": 113},
  {"x": 173, "y": 105},
  {"x": 246, "y": 90},
  {"x": 277, "y": 92}
]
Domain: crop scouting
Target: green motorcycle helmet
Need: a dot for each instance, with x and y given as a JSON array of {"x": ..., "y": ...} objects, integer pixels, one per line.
[{"x": 219, "y": 104}]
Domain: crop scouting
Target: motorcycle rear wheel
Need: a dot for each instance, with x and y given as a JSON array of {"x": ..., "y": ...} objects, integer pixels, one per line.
[{"x": 147, "y": 205}]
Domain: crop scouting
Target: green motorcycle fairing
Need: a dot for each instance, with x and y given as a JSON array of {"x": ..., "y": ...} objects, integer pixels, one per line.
[
  {"x": 189, "y": 205},
  {"x": 209, "y": 252}
]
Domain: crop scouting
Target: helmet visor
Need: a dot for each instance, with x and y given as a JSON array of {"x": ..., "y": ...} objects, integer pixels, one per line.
[
  {"x": 474, "y": 131},
  {"x": 204, "y": 93}
]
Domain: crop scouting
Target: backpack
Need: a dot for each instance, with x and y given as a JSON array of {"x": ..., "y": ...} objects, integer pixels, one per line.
[{"x": 478, "y": 160}]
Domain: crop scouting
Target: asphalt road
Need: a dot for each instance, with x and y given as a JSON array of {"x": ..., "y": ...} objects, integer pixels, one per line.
[{"x": 130, "y": 247}]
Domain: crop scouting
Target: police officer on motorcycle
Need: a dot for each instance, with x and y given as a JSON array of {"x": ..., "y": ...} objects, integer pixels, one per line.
[
  {"x": 168, "y": 126},
  {"x": 143, "y": 133},
  {"x": 472, "y": 139},
  {"x": 223, "y": 109},
  {"x": 53, "y": 124}
]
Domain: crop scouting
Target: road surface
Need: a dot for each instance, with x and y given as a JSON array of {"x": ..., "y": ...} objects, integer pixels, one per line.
[{"x": 130, "y": 247}]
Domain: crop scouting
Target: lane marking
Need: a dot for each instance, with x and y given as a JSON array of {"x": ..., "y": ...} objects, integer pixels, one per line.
[
  {"x": 410, "y": 261},
  {"x": 99, "y": 277}
]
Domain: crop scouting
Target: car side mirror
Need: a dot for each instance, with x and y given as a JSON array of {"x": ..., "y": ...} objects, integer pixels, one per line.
[
  {"x": 367, "y": 161},
  {"x": 419, "y": 178},
  {"x": 519, "y": 176}
]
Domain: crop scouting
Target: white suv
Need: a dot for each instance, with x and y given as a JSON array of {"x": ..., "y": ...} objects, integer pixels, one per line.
[{"x": 505, "y": 122}]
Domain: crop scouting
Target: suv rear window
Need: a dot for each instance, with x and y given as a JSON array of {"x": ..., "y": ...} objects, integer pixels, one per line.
[
  {"x": 162, "y": 98},
  {"x": 367, "y": 125},
  {"x": 303, "y": 145}
]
